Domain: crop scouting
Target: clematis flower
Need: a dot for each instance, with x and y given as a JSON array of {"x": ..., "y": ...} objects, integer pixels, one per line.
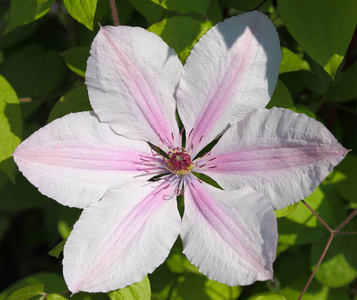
[{"x": 102, "y": 161}]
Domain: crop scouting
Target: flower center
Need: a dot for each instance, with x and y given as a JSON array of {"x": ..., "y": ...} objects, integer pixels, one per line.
[{"x": 179, "y": 162}]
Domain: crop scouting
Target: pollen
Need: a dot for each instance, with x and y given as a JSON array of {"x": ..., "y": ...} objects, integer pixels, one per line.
[{"x": 179, "y": 162}]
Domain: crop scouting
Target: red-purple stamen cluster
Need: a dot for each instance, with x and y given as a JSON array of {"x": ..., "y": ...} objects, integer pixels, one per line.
[{"x": 179, "y": 161}]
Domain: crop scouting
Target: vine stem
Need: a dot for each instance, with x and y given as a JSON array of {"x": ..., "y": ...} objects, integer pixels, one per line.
[
  {"x": 260, "y": 5},
  {"x": 317, "y": 216},
  {"x": 65, "y": 292},
  {"x": 333, "y": 233},
  {"x": 113, "y": 9}
]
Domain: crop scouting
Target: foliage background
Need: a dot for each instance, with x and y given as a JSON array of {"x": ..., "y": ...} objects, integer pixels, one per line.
[{"x": 43, "y": 52}]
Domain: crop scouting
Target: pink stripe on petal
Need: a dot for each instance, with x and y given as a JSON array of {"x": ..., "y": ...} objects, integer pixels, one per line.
[
  {"x": 85, "y": 158},
  {"x": 225, "y": 235},
  {"x": 76, "y": 159},
  {"x": 232, "y": 70},
  {"x": 120, "y": 239},
  {"x": 131, "y": 79},
  {"x": 278, "y": 152},
  {"x": 263, "y": 161}
]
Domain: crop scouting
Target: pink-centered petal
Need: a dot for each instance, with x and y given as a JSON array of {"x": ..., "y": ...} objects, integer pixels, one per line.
[
  {"x": 230, "y": 236},
  {"x": 278, "y": 152},
  {"x": 131, "y": 78},
  {"x": 232, "y": 70},
  {"x": 120, "y": 239},
  {"x": 76, "y": 159}
]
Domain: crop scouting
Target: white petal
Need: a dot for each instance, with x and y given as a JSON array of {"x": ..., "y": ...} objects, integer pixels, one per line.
[
  {"x": 120, "y": 239},
  {"x": 131, "y": 78},
  {"x": 232, "y": 70},
  {"x": 278, "y": 152},
  {"x": 76, "y": 159},
  {"x": 230, "y": 236}
]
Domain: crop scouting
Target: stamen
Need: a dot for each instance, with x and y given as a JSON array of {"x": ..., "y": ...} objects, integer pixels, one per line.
[{"x": 181, "y": 132}]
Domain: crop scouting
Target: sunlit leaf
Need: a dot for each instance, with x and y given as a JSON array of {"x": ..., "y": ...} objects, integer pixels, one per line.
[
  {"x": 178, "y": 263},
  {"x": 181, "y": 33},
  {"x": 57, "y": 250},
  {"x": 75, "y": 101},
  {"x": 55, "y": 297},
  {"x": 185, "y": 6},
  {"x": 83, "y": 11},
  {"x": 302, "y": 227},
  {"x": 76, "y": 59},
  {"x": 193, "y": 286},
  {"x": 323, "y": 28},
  {"x": 339, "y": 266},
  {"x": 26, "y": 11},
  {"x": 286, "y": 210},
  {"x": 268, "y": 296},
  {"x": 10, "y": 127},
  {"x": 281, "y": 97},
  {"x": 27, "y": 292},
  {"x": 137, "y": 291},
  {"x": 290, "y": 61},
  {"x": 314, "y": 292},
  {"x": 347, "y": 178}
]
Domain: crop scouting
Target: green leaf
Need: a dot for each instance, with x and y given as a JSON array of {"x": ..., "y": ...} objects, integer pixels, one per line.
[
  {"x": 317, "y": 80},
  {"x": 292, "y": 62},
  {"x": 281, "y": 97},
  {"x": 185, "y": 6},
  {"x": 345, "y": 88},
  {"x": 137, "y": 291},
  {"x": 152, "y": 12},
  {"x": 339, "y": 266},
  {"x": 286, "y": 210},
  {"x": 323, "y": 28},
  {"x": 33, "y": 72},
  {"x": 10, "y": 127},
  {"x": 27, "y": 292},
  {"x": 75, "y": 101},
  {"x": 55, "y": 297},
  {"x": 181, "y": 33},
  {"x": 26, "y": 11},
  {"x": 82, "y": 10},
  {"x": 76, "y": 59},
  {"x": 294, "y": 263},
  {"x": 53, "y": 284},
  {"x": 302, "y": 227},
  {"x": 67, "y": 216},
  {"x": 4, "y": 225},
  {"x": 316, "y": 291},
  {"x": 302, "y": 109},
  {"x": 178, "y": 263},
  {"x": 241, "y": 4},
  {"x": 347, "y": 178},
  {"x": 15, "y": 198},
  {"x": 268, "y": 296},
  {"x": 193, "y": 286},
  {"x": 57, "y": 250}
]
